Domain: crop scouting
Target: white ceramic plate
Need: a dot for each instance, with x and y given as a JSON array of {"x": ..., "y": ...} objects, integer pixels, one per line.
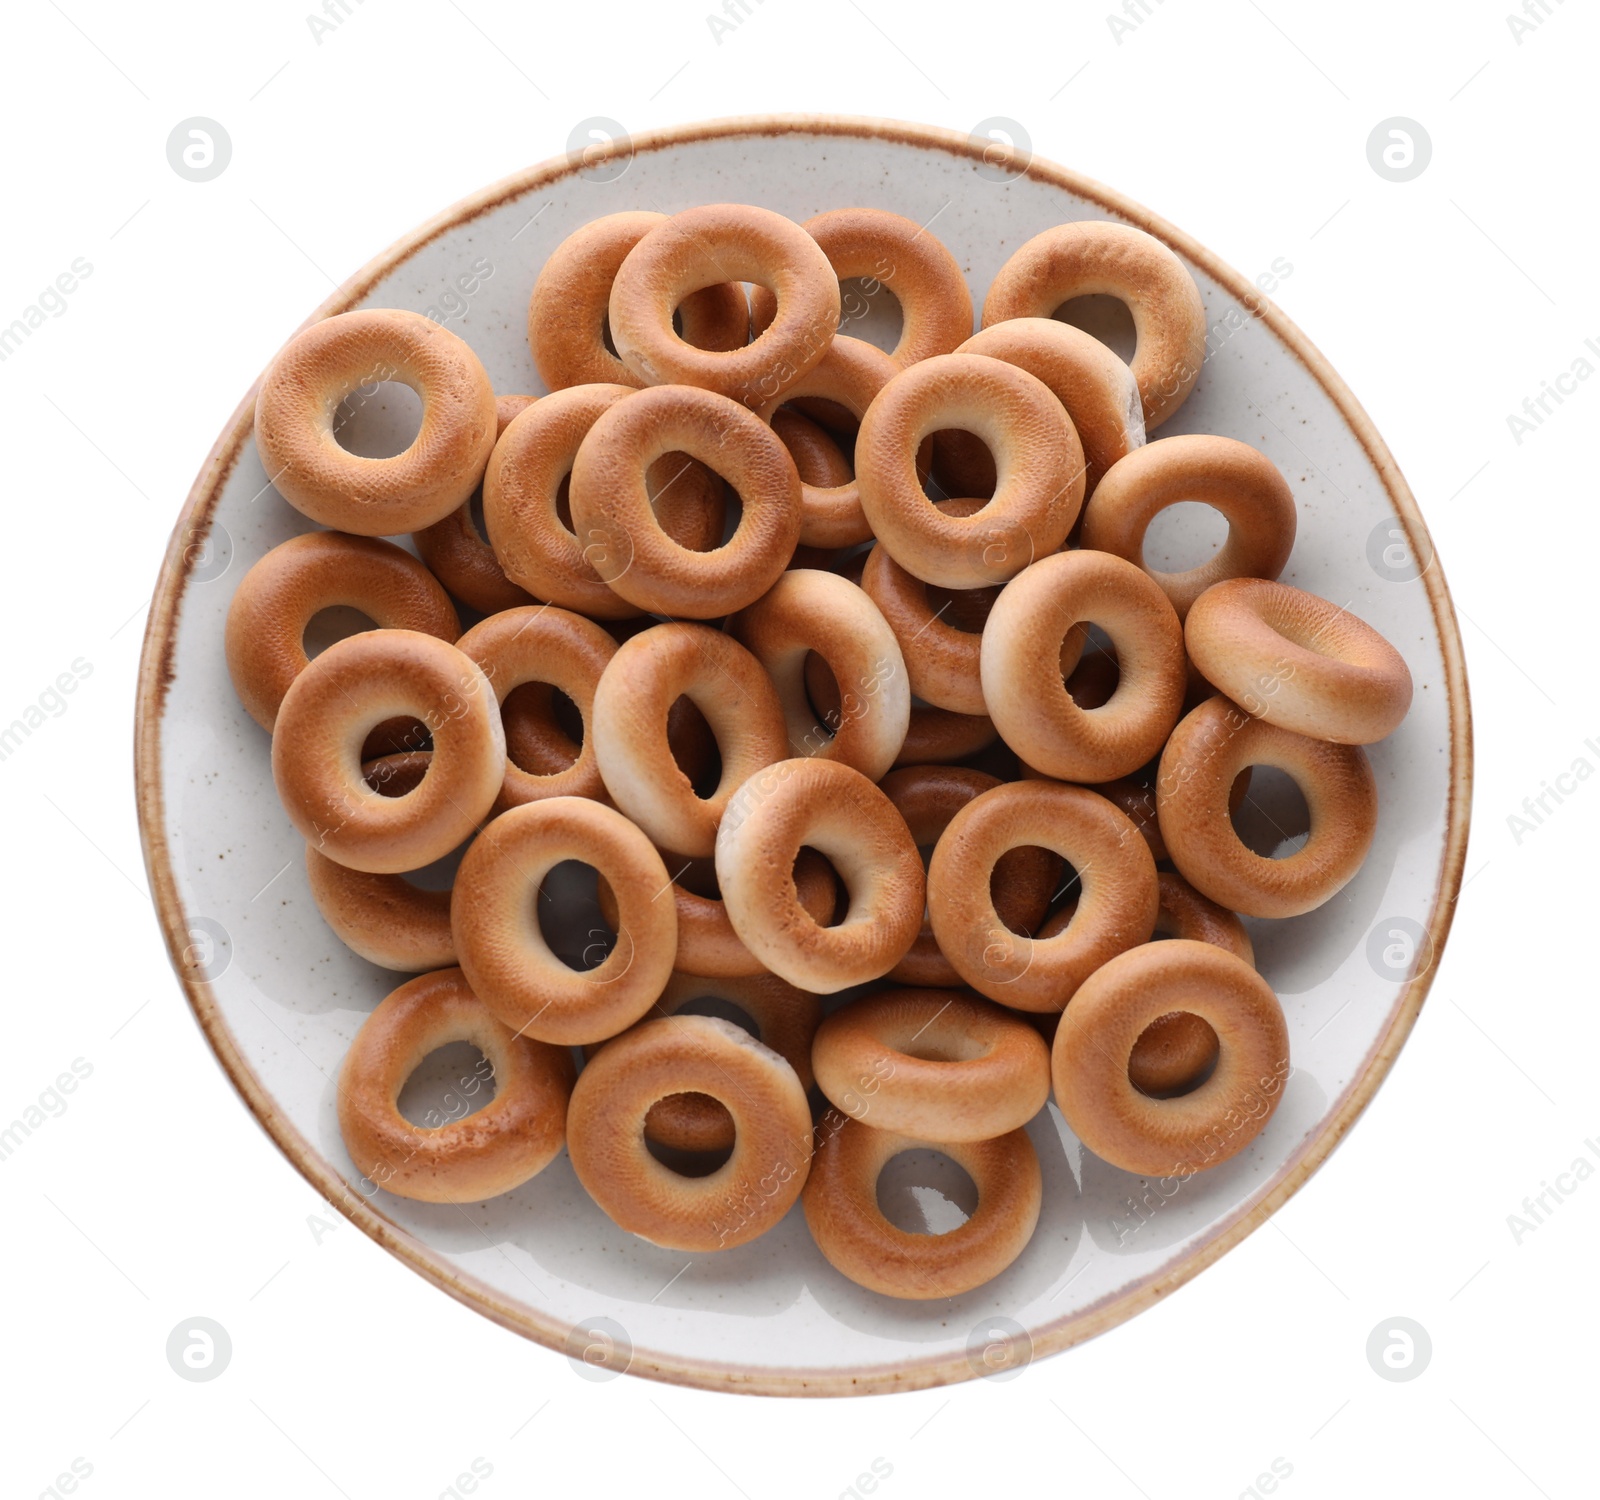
[{"x": 280, "y": 997}]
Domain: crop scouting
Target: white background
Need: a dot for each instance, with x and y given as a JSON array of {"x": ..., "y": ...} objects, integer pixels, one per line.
[{"x": 1444, "y": 301}]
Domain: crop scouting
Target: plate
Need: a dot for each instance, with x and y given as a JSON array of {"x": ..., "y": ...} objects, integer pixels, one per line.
[{"x": 280, "y": 998}]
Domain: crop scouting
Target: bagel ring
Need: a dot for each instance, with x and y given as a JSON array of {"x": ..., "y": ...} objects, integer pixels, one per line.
[
  {"x": 939, "y": 1065},
  {"x": 568, "y": 311},
  {"x": 323, "y": 722},
  {"x": 1176, "y": 1050},
  {"x": 1096, "y": 258},
  {"x": 1205, "y": 755},
  {"x": 1024, "y": 879},
  {"x": 298, "y": 404},
  {"x": 940, "y": 645},
  {"x": 841, "y": 1207},
  {"x": 1116, "y": 878},
  {"x": 1096, "y": 388},
  {"x": 850, "y": 374},
  {"x": 1173, "y": 1137},
  {"x": 634, "y": 1072},
  {"x": 708, "y": 947},
  {"x": 1020, "y": 663},
  {"x": 537, "y": 648},
  {"x": 503, "y": 951},
  {"x": 522, "y": 502},
  {"x": 818, "y": 459},
  {"x": 275, "y": 601},
  {"x": 468, "y": 1157},
  {"x": 461, "y": 559},
  {"x": 1039, "y": 463},
  {"x": 938, "y": 737},
  {"x": 705, "y": 246},
  {"x": 874, "y": 245},
  {"x": 785, "y": 1019},
  {"x": 385, "y": 918},
  {"x": 627, "y": 545},
  {"x": 631, "y": 702},
  {"x": 1298, "y": 661},
  {"x": 1240, "y": 482},
  {"x": 835, "y": 810},
  {"x": 809, "y": 611}
]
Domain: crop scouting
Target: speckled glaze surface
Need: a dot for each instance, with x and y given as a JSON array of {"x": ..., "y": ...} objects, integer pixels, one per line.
[{"x": 280, "y": 998}]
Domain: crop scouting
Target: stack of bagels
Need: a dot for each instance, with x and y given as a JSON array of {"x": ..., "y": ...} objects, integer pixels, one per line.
[{"x": 892, "y": 744}]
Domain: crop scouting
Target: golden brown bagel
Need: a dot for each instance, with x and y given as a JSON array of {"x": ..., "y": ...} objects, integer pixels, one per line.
[
  {"x": 502, "y": 950},
  {"x": 938, "y": 737},
  {"x": 782, "y": 1018},
  {"x": 631, "y": 702},
  {"x": 1176, "y": 1050},
  {"x": 461, "y": 1158},
  {"x": 298, "y": 403},
  {"x": 628, "y": 546},
  {"x": 568, "y": 312},
  {"x": 523, "y": 494},
  {"x": 277, "y": 598},
  {"x": 324, "y": 718},
  {"x": 1111, "y": 1010},
  {"x": 708, "y": 947},
  {"x": 841, "y": 1206},
  {"x": 1096, "y": 388},
  {"x": 1203, "y": 758},
  {"x": 1021, "y": 666},
  {"x": 1116, "y": 876},
  {"x": 850, "y": 374},
  {"x": 461, "y": 559},
  {"x": 818, "y": 459},
  {"x": 887, "y": 250},
  {"x": 1024, "y": 880},
  {"x": 1244, "y": 485},
  {"x": 940, "y": 1065},
  {"x": 542, "y": 646},
  {"x": 680, "y": 1054},
  {"x": 1297, "y": 661},
  {"x": 1039, "y": 460},
  {"x": 808, "y": 611},
  {"x": 705, "y": 246},
  {"x": 842, "y": 815},
  {"x": 1094, "y": 258}
]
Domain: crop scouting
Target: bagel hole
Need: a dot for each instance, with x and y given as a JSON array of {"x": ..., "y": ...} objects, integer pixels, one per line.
[
  {"x": 378, "y": 421},
  {"x": 400, "y": 736},
  {"x": 1187, "y": 534},
  {"x": 564, "y": 502},
  {"x": 543, "y": 727},
  {"x": 611, "y": 343},
  {"x": 1063, "y": 905},
  {"x": 963, "y": 467},
  {"x": 840, "y": 904},
  {"x": 1272, "y": 818},
  {"x": 733, "y": 514},
  {"x": 923, "y": 1191},
  {"x": 1095, "y": 676},
  {"x": 869, "y": 311},
  {"x": 822, "y": 692},
  {"x": 1178, "y": 1086},
  {"x": 567, "y": 908},
  {"x": 962, "y": 609},
  {"x": 694, "y": 746},
  {"x": 480, "y": 527},
  {"x": 690, "y": 1163},
  {"x": 999, "y": 877},
  {"x": 1102, "y": 317},
  {"x": 450, "y": 1083},
  {"x": 335, "y": 623}
]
